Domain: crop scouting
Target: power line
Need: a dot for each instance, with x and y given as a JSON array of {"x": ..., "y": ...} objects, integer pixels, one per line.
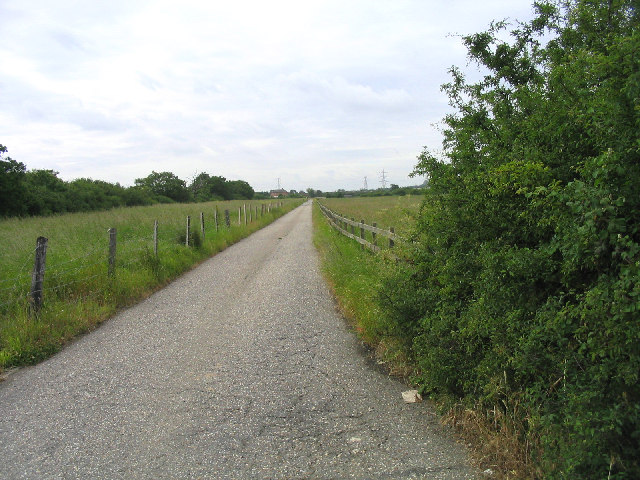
[{"x": 383, "y": 179}]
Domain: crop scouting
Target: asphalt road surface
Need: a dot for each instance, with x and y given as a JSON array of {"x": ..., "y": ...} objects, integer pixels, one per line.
[{"x": 241, "y": 368}]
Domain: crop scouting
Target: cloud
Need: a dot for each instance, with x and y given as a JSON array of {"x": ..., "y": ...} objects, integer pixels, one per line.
[
  {"x": 344, "y": 94},
  {"x": 318, "y": 93}
]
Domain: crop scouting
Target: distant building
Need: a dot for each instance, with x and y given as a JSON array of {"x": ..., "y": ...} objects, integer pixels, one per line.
[{"x": 278, "y": 193}]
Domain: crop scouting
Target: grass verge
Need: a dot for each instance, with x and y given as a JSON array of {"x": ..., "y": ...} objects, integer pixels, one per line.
[{"x": 355, "y": 275}]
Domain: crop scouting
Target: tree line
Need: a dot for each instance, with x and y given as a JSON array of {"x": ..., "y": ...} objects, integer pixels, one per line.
[
  {"x": 41, "y": 192},
  {"x": 522, "y": 297}
]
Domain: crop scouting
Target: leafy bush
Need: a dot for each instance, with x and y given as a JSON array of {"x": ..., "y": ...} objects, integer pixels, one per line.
[{"x": 525, "y": 282}]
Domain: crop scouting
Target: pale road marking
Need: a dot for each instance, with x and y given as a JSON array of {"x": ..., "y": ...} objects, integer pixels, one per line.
[{"x": 242, "y": 368}]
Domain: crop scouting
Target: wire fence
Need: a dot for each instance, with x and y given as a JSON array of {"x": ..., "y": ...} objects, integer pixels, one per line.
[{"x": 36, "y": 277}]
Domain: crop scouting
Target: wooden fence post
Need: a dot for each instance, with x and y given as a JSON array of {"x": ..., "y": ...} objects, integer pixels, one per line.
[
  {"x": 227, "y": 219},
  {"x": 239, "y": 215},
  {"x": 215, "y": 217},
  {"x": 373, "y": 234},
  {"x": 186, "y": 241},
  {"x": 37, "y": 277},
  {"x": 262, "y": 210},
  {"x": 391, "y": 242},
  {"x": 244, "y": 209},
  {"x": 202, "y": 225},
  {"x": 112, "y": 251},
  {"x": 353, "y": 228},
  {"x": 362, "y": 232},
  {"x": 155, "y": 238}
]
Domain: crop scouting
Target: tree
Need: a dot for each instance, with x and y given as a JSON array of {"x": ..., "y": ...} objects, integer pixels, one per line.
[
  {"x": 240, "y": 190},
  {"x": 165, "y": 184},
  {"x": 46, "y": 193},
  {"x": 205, "y": 188},
  {"x": 85, "y": 194},
  {"x": 12, "y": 189},
  {"x": 199, "y": 187},
  {"x": 526, "y": 268},
  {"x": 136, "y": 195}
]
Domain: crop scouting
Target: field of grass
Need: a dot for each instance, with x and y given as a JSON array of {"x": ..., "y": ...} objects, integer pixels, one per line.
[
  {"x": 398, "y": 212},
  {"x": 78, "y": 292}
]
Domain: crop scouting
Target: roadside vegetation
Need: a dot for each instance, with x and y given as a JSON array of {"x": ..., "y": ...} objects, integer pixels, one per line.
[
  {"x": 78, "y": 292},
  {"x": 356, "y": 276},
  {"x": 519, "y": 305}
]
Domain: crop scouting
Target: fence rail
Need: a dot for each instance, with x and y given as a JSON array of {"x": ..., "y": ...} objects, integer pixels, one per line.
[{"x": 342, "y": 224}]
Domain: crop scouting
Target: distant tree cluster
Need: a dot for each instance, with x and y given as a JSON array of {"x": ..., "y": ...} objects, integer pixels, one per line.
[
  {"x": 394, "y": 190},
  {"x": 40, "y": 192}
]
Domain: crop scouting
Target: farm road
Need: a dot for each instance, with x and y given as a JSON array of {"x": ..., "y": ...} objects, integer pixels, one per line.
[{"x": 239, "y": 369}]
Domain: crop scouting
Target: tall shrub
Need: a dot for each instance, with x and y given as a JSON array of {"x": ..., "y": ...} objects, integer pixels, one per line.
[{"x": 525, "y": 285}]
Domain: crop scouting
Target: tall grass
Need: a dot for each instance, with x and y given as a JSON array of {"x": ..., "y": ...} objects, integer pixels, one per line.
[
  {"x": 355, "y": 274},
  {"x": 398, "y": 212},
  {"x": 78, "y": 293}
]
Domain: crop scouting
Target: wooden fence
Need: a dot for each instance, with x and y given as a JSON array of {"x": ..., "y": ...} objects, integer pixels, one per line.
[{"x": 344, "y": 224}]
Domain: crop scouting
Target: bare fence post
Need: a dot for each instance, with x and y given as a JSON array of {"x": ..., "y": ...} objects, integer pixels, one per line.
[
  {"x": 112, "y": 251},
  {"x": 227, "y": 219},
  {"x": 155, "y": 238},
  {"x": 186, "y": 241},
  {"x": 37, "y": 277},
  {"x": 239, "y": 215},
  {"x": 391, "y": 242},
  {"x": 262, "y": 210},
  {"x": 353, "y": 228},
  {"x": 362, "y": 232},
  {"x": 202, "y": 225},
  {"x": 215, "y": 217},
  {"x": 373, "y": 234},
  {"x": 244, "y": 209}
]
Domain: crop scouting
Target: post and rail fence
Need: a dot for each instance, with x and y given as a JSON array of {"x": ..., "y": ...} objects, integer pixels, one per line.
[{"x": 343, "y": 224}]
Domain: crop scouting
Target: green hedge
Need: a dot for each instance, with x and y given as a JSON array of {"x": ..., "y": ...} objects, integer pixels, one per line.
[{"x": 524, "y": 288}]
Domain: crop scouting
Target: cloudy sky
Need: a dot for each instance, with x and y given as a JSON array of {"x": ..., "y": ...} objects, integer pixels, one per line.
[{"x": 318, "y": 93}]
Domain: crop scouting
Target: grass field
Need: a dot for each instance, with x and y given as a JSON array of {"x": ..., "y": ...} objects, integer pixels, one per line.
[
  {"x": 78, "y": 293},
  {"x": 398, "y": 212}
]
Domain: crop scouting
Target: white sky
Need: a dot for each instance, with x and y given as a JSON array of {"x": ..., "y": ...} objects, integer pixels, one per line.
[{"x": 318, "y": 93}]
